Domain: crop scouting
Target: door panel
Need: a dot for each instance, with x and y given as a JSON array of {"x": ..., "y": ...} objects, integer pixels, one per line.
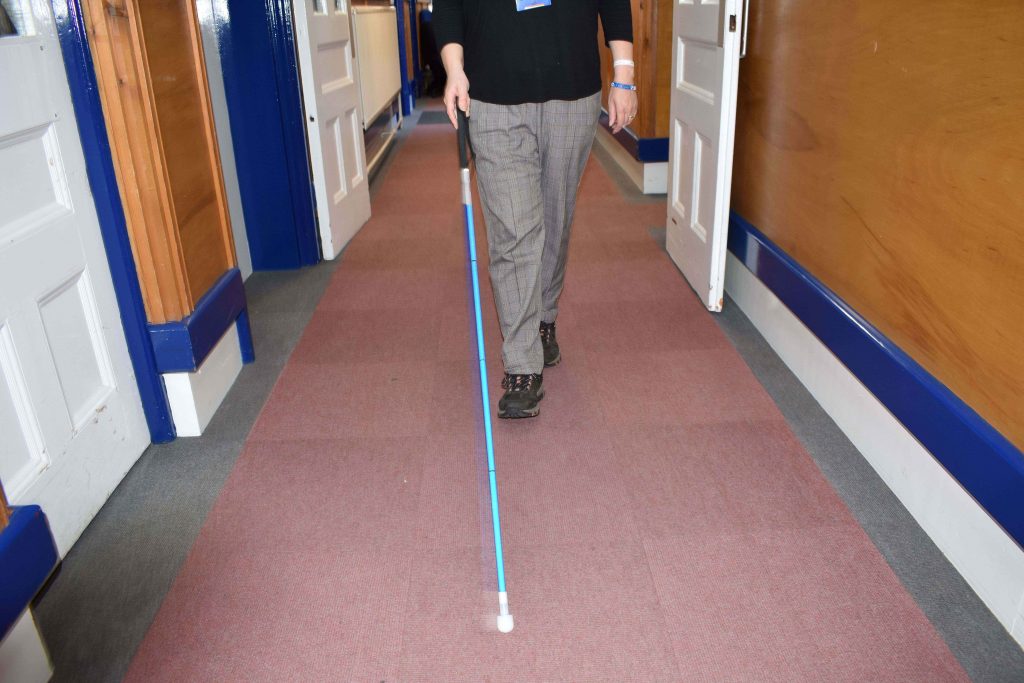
[
  {"x": 71, "y": 421},
  {"x": 331, "y": 97},
  {"x": 703, "y": 109}
]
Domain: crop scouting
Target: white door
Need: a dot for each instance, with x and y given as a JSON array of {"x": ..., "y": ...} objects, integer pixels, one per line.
[
  {"x": 333, "y": 124},
  {"x": 705, "y": 66},
  {"x": 71, "y": 422}
]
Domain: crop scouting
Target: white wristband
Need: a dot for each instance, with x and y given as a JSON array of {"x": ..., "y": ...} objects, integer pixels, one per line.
[{"x": 623, "y": 62}]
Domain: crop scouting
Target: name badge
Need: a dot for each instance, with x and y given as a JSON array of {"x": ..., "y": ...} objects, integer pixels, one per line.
[{"x": 523, "y": 5}]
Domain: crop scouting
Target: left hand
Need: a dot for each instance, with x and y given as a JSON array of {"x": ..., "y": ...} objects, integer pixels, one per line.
[{"x": 622, "y": 106}]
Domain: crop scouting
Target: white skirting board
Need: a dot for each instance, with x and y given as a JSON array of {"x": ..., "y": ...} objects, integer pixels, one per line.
[
  {"x": 650, "y": 178},
  {"x": 195, "y": 396},
  {"x": 23, "y": 656},
  {"x": 989, "y": 560}
]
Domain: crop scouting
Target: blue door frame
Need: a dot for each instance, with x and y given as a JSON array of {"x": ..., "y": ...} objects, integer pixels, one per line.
[
  {"x": 263, "y": 91},
  {"x": 408, "y": 97},
  {"x": 99, "y": 166},
  {"x": 417, "y": 73},
  {"x": 181, "y": 346},
  {"x": 264, "y": 98}
]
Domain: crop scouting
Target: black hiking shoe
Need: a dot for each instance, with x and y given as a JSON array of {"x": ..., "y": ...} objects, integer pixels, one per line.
[
  {"x": 552, "y": 356},
  {"x": 522, "y": 396}
]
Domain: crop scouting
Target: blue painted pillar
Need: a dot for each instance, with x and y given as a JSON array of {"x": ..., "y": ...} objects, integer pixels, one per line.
[
  {"x": 268, "y": 131},
  {"x": 407, "y": 97},
  {"x": 417, "y": 72}
]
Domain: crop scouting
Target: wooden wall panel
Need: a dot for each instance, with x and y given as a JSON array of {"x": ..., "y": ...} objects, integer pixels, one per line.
[
  {"x": 881, "y": 145},
  {"x": 170, "y": 33},
  {"x": 119, "y": 59},
  {"x": 662, "y": 81},
  {"x": 150, "y": 67}
]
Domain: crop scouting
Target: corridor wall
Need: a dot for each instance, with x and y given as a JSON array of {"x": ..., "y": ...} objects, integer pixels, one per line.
[
  {"x": 879, "y": 161},
  {"x": 880, "y": 145}
]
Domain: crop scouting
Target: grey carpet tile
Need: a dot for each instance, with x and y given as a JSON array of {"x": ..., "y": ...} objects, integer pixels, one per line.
[
  {"x": 434, "y": 118},
  {"x": 288, "y": 291}
]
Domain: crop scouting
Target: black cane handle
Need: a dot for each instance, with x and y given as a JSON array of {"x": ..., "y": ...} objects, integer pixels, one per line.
[{"x": 465, "y": 147}]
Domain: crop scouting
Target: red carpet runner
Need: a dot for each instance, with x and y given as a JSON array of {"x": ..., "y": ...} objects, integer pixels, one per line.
[{"x": 661, "y": 522}]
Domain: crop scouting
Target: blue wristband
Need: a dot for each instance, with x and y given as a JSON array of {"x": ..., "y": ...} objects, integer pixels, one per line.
[{"x": 624, "y": 86}]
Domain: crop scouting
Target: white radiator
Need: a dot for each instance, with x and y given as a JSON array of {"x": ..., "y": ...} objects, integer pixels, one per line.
[{"x": 375, "y": 33}]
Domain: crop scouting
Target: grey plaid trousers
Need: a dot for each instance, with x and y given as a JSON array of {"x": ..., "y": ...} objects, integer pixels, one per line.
[{"x": 529, "y": 162}]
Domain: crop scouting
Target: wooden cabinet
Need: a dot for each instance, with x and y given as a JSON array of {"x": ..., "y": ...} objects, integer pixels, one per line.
[{"x": 149, "y": 63}]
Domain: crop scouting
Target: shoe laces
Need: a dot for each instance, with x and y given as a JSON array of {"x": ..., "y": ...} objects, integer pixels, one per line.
[
  {"x": 518, "y": 382},
  {"x": 547, "y": 332}
]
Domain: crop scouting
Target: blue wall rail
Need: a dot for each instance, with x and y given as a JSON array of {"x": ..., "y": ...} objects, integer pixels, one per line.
[
  {"x": 183, "y": 345},
  {"x": 28, "y": 554},
  {"x": 985, "y": 463}
]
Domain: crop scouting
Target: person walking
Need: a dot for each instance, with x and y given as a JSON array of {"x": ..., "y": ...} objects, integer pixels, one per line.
[{"x": 528, "y": 75}]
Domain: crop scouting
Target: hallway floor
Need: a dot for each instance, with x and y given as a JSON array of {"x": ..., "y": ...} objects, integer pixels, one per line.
[{"x": 663, "y": 518}]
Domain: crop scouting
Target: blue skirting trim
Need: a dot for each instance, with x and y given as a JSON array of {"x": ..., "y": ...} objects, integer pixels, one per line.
[
  {"x": 99, "y": 165},
  {"x": 644, "y": 150},
  {"x": 985, "y": 463},
  {"x": 182, "y": 345},
  {"x": 28, "y": 554}
]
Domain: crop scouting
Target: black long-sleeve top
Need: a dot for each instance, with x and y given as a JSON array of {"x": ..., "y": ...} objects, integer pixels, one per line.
[{"x": 541, "y": 54}]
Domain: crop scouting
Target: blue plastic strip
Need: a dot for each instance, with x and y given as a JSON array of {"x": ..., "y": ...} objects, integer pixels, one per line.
[
  {"x": 261, "y": 85},
  {"x": 644, "y": 150},
  {"x": 182, "y": 345},
  {"x": 499, "y": 557},
  {"x": 28, "y": 554},
  {"x": 985, "y": 463},
  {"x": 99, "y": 166}
]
